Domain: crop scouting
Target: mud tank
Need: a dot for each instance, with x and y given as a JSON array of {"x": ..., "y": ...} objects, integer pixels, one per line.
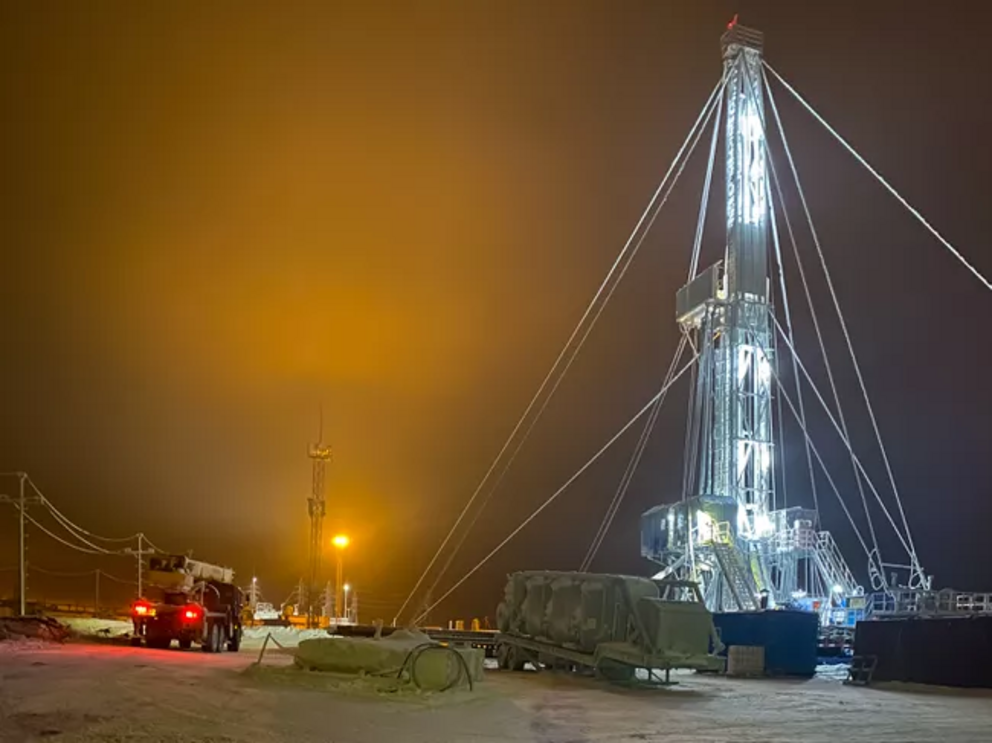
[{"x": 608, "y": 624}]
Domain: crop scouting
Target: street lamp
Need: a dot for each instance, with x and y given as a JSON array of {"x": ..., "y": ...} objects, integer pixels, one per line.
[{"x": 340, "y": 541}]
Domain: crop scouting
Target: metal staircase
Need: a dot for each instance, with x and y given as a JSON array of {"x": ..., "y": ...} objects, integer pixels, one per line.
[
  {"x": 833, "y": 567},
  {"x": 736, "y": 575}
]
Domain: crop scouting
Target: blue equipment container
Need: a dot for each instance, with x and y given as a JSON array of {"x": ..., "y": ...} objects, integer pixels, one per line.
[{"x": 789, "y": 638}]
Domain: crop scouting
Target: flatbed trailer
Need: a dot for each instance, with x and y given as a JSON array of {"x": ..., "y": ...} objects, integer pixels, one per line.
[
  {"x": 614, "y": 661},
  {"x": 609, "y": 625}
]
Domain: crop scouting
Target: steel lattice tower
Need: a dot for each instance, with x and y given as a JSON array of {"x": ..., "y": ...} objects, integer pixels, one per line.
[
  {"x": 734, "y": 385},
  {"x": 319, "y": 454},
  {"x": 733, "y": 394},
  {"x": 724, "y": 534}
]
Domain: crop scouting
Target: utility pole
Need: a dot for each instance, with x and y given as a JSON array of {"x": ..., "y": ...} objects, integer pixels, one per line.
[
  {"x": 22, "y": 567},
  {"x": 139, "y": 555},
  {"x": 21, "y": 503}
]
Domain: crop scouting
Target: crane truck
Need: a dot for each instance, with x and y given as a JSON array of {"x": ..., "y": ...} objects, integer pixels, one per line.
[{"x": 191, "y": 602}]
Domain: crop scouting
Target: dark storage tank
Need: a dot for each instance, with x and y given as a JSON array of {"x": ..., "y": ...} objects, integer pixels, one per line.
[
  {"x": 954, "y": 651},
  {"x": 788, "y": 637}
]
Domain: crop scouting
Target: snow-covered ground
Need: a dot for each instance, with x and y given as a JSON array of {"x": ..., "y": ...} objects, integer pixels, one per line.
[
  {"x": 84, "y": 693},
  {"x": 253, "y": 637}
]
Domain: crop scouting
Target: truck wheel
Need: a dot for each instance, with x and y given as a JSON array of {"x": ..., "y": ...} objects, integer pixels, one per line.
[
  {"x": 503, "y": 655},
  {"x": 212, "y": 643},
  {"x": 234, "y": 644},
  {"x": 516, "y": 658},
  {"x": 185, "y": 643}
]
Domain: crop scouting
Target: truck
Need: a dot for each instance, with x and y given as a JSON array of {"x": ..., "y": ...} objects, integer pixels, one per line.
[
  {"x": 188, "y": 601},
  {"x": 610, "y": 625}
]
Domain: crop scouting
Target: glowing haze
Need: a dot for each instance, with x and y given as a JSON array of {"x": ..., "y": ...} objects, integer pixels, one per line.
[{"x": 220, "y": 216}]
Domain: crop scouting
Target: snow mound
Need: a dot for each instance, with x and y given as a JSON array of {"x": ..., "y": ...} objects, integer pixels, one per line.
[
  {"x": 95, "y": 627},
  {"x": 32, "y": 628},
  {"x": 287, "y": 637},
  {"x": 406, "y": 654}
]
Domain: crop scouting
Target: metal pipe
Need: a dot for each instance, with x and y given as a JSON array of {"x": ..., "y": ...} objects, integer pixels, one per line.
[{"x": 22, "y": 562}]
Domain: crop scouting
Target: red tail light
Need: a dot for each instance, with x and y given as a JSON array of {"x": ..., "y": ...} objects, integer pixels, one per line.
[
  {"x": 191, "y": 613},
  {"x": 141, "y": 609}
]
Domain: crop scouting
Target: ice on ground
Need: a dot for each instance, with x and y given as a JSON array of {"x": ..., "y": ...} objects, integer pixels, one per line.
[
  {"x": 95, "y": 627},
  {"x": 287, "y": 637},
  {"x": 833, "y": 671}
]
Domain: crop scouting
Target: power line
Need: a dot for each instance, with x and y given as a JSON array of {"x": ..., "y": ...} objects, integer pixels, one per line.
[
  {"x": 57, "y": 538},
  {"x": 73, "y": 526},
  {"x": 575, "y": 352},
  {"x": 847, "y": 444},
  {"x": 850, "y": 348},
  {"x": 632, "y": 464},
  {"x": 920, "y": 218},
  {"x": 809, "y": 299},
  {"x": 78, "y": 574},
  {"x": 704, "y": 114},
  {"x": 560, "y": 490},
  {"x": 69, "y": 526},
  {"x": 61, "y": 574},
  {"x": 123, "y": 581}
]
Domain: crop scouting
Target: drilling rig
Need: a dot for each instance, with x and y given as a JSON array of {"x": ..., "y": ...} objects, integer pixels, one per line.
[{"x": 726, "y": 533}]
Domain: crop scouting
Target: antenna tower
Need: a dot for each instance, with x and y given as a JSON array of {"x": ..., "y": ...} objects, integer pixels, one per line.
[{"x": 319, "y": 454}]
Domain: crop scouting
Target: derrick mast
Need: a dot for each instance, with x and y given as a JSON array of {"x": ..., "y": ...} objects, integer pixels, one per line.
[
  {"x": 735, "y": 330},
  {"x": 715, "y": 535},
  {"x": 724, "y": 533}
]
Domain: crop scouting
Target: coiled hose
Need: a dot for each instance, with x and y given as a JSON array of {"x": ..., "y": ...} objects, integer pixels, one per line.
[{"x": 414, "y": 655}]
